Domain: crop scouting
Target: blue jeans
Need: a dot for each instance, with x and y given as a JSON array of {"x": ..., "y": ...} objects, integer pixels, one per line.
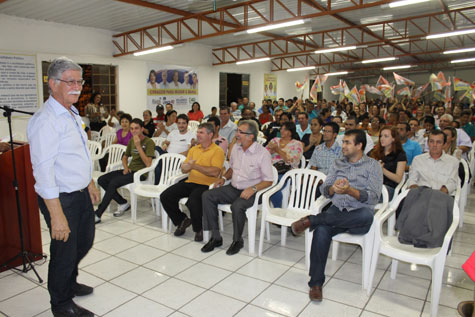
[
  {"x": 328, "y": 224},
  {"x": 276, "y": 199}
]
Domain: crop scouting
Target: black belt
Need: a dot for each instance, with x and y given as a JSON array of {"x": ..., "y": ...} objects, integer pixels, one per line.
[{"x": 75, "y": 192}]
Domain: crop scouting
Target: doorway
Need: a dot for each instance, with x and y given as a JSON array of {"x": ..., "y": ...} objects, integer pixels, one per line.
[{"x": 232, "y": 86}]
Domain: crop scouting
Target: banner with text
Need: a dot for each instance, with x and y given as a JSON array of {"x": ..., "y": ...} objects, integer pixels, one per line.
[
  {"x": 18, "y": 86},
  {"x": 177, "y": 85}
]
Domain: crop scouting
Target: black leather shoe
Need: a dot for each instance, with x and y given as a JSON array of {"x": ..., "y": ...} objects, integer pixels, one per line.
[
  {"x": 235, "y": 247},
  {"x": 71, "y": 310},
  {"x": 212, "y": 243},
  {"x": 82, "y": 290},
  {"x": 180, "y": 230},
  {"x": 199, "y": 236}
]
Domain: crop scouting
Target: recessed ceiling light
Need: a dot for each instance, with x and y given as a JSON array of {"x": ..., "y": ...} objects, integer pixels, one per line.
[
  {"x": 377, "y": 60},
  {"x": 300, "y": 68},
  {"x": 154, "y": 50},
  {"x": 253, "y": 61}
]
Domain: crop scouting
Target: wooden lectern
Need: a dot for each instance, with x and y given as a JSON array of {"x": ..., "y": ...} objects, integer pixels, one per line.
[{"x": 9, "y": 230}]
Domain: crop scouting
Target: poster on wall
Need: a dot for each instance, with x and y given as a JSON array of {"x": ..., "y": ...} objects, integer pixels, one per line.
[
  {"x": 177, "y": 85},
  {"x": 18, "y": 86},
  {"x": 270, "y": 86}
]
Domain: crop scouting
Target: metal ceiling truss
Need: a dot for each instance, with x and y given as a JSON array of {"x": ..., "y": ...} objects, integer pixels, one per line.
[
  {"x": 398, "y": 37},
  {"x": 207, "y": 24}
]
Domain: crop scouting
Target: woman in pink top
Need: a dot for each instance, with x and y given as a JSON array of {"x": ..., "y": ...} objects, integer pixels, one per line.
[
  {"x": 124, "y": 135},
  {"x": 195, "y": 112},
  {"x": 288, "y": 149}
]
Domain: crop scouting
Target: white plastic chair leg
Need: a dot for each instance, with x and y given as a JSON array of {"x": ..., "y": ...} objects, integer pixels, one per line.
[
  {"x": 133, "y": 209},
  {"x": 335, "y": 245},
  {"x": 268, "y": 231},
  {"x": 264, "y": 224},
  {"x": 220, "y": 219},
  {"x": 437, "y": 272},
  {"x": 372, "y": 267},
  {"x": 308, "y": 246},
  {"x": 251, "y": 236},
  {"x": 205, "y": 236},
  {"x": 283, "y": 235},
  {"x": 394, "y": 269}
]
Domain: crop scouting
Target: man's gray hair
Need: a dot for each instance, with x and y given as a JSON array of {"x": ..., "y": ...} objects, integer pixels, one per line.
[
  {"x": 447, "y": 116},
  {"x": 251, "y": 127},
  {"x": 59, "y": 65},
  {"x": 208, "y": 126},
  {"x": 234, "y": 103}
]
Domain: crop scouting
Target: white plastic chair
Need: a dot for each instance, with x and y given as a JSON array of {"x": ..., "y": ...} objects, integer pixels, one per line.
[
  {"x": 171, "y": 166},
  {"x": 365, "y": 241},
  {"x": 114, "y": 161},
  {"x": 260, "y": 134},
  {"x": 251, "y": 213},
  {"x": 193, "y": 125},
  {"x": 399, "y": 188},
  {"x": 95, "y": 136},
  {"x": 464, "y": 191},
  {"x": 106, "y": 130},
  {"x": 302, "y": 185},
  {"x": 265, "y": 126},
  {"x": 260, "y": 140},
  {"x": 433, "y": 257},
  {"x": 158, "y": 141},
  {"x": 95, "y": 149},
  {"x": 107, "y": 139}
]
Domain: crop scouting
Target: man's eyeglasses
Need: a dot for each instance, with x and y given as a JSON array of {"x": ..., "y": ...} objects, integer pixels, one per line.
[
  {"x": 243, "y": 132},
  {"x": 71, "y": 83}
]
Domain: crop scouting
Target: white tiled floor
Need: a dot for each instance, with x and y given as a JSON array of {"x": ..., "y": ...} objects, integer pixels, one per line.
[{"x": 138, "y": 270}]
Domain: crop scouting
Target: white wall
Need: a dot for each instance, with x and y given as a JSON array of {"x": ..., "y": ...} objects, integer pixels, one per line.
[{"x": 49, "y": 40}]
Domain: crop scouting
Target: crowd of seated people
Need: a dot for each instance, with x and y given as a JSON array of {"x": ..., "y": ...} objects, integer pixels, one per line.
[{"x": 377, "y": 140}]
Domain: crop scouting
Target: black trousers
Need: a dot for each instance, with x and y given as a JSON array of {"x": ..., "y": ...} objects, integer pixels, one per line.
[
  {"x": 65, "y": 256},
  {"x": 111, "y": 182},
  {"x": 171, "y": 196}
]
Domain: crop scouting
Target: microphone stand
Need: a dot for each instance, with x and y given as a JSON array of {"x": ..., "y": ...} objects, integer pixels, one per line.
[{"x": 25, "y": 255}]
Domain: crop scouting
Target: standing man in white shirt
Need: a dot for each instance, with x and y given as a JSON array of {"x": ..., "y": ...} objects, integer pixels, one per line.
[
  {"x": 435, "y": 169},
  {"x": 62, "y": 168}
]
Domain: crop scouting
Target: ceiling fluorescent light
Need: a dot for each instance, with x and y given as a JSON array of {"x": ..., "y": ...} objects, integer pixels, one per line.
[
  {"x": 397, "y": 67},
  {"x": 462, "y": 50},
  {"x": 253, "y": 61},
  {"x": 336, "y": 73},
  {"x": 300, "y": 68},
  {"x": 275, "y": 26},
  {"x": 472, "y": 59},
  {"x": 405, "y": 3},
  {"x": 335, "y": 49},
  {"x": 377, "y": 60},
  {"x": 154, "y": 50},
  {"x": 455, "y": 33}
]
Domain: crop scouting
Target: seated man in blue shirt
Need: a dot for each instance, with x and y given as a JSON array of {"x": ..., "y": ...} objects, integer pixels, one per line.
[
  {"x": 412, "y": 148},
  {"x": 326, "y": 153},
  {"x": 354, "y": 185}
]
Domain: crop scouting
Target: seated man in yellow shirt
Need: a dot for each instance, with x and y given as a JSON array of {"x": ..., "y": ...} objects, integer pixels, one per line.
[{"x": 203, "y": 163}]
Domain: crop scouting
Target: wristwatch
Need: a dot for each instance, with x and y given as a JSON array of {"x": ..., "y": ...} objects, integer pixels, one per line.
[{"x": 254, "y": 188}]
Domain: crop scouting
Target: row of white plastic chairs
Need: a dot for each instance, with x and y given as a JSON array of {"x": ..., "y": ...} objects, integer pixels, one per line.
[{"x": 299, "y": 201}]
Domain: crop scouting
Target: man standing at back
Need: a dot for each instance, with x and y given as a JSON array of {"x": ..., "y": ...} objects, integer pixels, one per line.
[
  {"x": 354, "y": 186},
  {"x": 62, "y": 168},
  {"x": 228, "y": 128},
  {"x": 250, "y": 171}
]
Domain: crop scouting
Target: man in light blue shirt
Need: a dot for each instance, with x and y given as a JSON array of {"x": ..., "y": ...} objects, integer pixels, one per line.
[
  {"x": 62, "y": 169},
  {"x": 412, "y": 148},
  {"x": 326, "y": 153}
]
